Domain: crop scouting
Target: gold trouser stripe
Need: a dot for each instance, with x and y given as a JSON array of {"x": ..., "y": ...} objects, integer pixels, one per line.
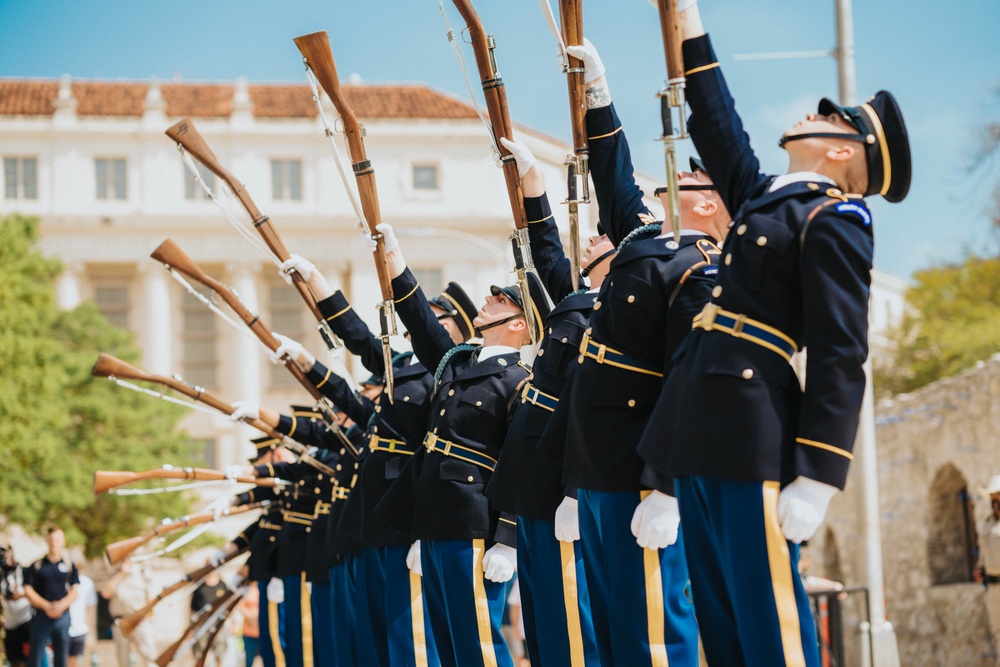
[
  {"x": 482, "y": 605},
  {"x": 408, "y": 295},
  {"x": 272, "y": 628},
  {"x": 830, "y": 448},
  {"x": 307, "y": 623},
  {"x": 571, "y": 600},
  {"x": 605, "y": 136},
  {"x": 654, "y": 604},
  {"x": 325, "y": 378},
  {"x": 417, "y": 621},
  {"x": 781, "y": 580},
  {"x": 336, "y": 315},
  {"x": 703, "y": 68}
]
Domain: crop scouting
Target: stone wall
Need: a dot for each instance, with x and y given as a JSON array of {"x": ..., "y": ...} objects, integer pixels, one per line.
[{"x": 933, "y": 445}]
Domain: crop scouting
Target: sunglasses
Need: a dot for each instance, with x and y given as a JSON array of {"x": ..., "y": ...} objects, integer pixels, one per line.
[{"x": 683, "y": 188}]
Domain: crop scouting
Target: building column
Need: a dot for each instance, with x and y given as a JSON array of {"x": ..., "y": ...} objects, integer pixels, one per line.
[
  {"x": 246, "y": 362},
  {"x": 157, "y": 326},
  {"x": 68, "y": 286}
]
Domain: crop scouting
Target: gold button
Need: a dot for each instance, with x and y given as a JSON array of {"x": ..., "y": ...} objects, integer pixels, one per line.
[
  {"x": 564, "y": 339},
  {"x": 747, "y": 373},
  {"x": 731, "y": 223},
  {"x": 374, "y": 430},
  {"x": 550, "y": 329},
  {"x": 761, "y": 240},
  {"x": 271, "y": 539},
  {"x": 579, "y": 359},
  {"x": 316, "y": 490},
  {"x": 308, "y": 530},
  {"x": 729, "y": 258},
  {"x": 469, "y": 478},
  {"x": 597, "y": 305},
  {"x": 378, "y": 408},
  {"x": 631, "y": 298},
  {"x": 717, "y": 290},
  {"x": 406, "y": 398},
  {"x": 338, "y": 466},
  {"x": 451, "y": 392},
  {"x": 741, "y": 230},
  {"x": 479, "y": 404},
  {"x": 541, "y": 352},
  {"x": 631, "y": 402},
  {"x": 442, "y": 412},
  {"x": 813, "y": 187},
  {"x": 319, "y": 476}
]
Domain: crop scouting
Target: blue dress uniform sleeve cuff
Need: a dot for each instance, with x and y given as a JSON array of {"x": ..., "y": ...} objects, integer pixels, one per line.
[
  {"x": 319, "y": 375},
  {"x": 571, "y": 492},
  {"x": 285, "y": 425},
  {"x": 334, "y": 306},
  {"x": 244, "y": 498},
  {"x": 241, "y": 542},
  {"x": 602, "y": 122},
  {"x": 506, "y": 532},
  {"x": 698, "y": 52},
  {"x": 404, "y": 285},
  {"x": 651, "y": 478},
  {"x": 537, "y": 209},
  {"x": 822, "y": 461}
]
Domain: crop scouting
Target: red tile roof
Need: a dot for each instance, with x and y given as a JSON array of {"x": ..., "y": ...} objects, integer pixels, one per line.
[{"x": 25, "y": 97}]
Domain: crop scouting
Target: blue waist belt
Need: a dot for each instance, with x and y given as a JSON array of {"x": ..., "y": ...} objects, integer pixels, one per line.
[
  {"x": 713, "y": 318},
  {"x": 377, "y": 444},
  {"x": 603, "y": 354},
  {"x": 535, "y": 396},
  {"x": 442, "y": 446}
]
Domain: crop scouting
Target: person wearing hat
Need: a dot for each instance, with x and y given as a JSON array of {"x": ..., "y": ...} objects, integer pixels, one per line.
[
  {"x": 626, "y": 523},
  {"x": 755, "y": 478},
  {"x": 463, "y": 547},
  {"x": 555, "y": 604},
  {"x": 394, "y": 431},
  {"x": 988, "y": 571}
]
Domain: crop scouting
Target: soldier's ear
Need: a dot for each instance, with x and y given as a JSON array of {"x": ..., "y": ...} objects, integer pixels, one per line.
[
  {"x": 706, "y": 208},
  {"x": 842, "y": 154}
]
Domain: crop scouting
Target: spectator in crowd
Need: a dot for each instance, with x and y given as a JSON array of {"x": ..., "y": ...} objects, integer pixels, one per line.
[
  {"x": 249, "y": 607},
  {"x": 207, "y": 594},
  {"x": 82, "y": 616},
  {"x": 127, "y": 591},
  {"x": 51, "y": 584},
  {"x": 17, "y": 609}
]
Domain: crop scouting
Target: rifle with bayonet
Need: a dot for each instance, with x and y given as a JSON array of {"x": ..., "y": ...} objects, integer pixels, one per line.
[
  {"x": 318, "y": 58},
  {"x": 128, "y": 623},
  {"x": 577, "y": 164},
  {"x": 214, "y": 626},
  {"x": 107, "y": 480},
  {"x": 117, "y": 551},
  {"x": 671, "y": 99},
  {"x": 483, "y": 46},
  {"x": 119, "y": 371},
  {"x": 174, "y": 259},
  {"x": 190, "y": 141},
  {"x": 220, "y": 608}
]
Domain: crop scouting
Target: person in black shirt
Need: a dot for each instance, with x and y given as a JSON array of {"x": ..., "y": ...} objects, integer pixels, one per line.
[{"x": 51, "y": 585}]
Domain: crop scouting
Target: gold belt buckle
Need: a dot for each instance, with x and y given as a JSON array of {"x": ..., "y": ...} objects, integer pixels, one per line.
[
  {"x": 430, "y": 441},
  {"x": 524, "y": 393},
  {"x": 584, "y": 342},
  {"x": 708, "y": 316}
]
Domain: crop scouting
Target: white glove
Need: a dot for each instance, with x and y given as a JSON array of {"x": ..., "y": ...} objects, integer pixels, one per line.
[
  {"x": 292, "y": 348},
  {"x": 522, "y": 155},
  {"x": 244, "y": 410},
  {"x": 593, "y": 68},
  {"x": 275, "y": 590},
  {"x": 802, "y": 506},
  {"x": 218, "y": 558},
  {"x": 366, "y": 238},
  {"x": 655, "y": 521},
  {"x": 568, "y": 520},
  {"x": 219, "y": 506},
  {"x": 389, "y": 236},
  {"x": 296, "y": 264},
  {"x": 233, "y": 471},
  {"x": 237, "y": 581},
  {"x": 413, "y": 559},
  {"x": 500, "y": 563}
]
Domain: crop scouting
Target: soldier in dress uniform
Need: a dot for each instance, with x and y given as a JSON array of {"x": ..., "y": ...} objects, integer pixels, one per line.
[
  {"x": 795, "y": 273},
  {"x": 463, "y": 547},
  {"x": 555, "y": 603},
  {"x": 636, "y": 573}
]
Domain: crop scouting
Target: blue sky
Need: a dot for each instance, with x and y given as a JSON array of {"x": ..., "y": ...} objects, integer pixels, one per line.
[{"x": 942, "y": 61}]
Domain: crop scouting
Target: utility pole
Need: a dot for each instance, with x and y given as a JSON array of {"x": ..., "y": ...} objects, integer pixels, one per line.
[{"x": 878, "y": 639}]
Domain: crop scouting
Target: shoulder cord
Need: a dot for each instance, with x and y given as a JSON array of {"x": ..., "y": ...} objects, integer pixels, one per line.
[
  {"x": 448, "y": 356},
  {"x": 652, "y": 229}
]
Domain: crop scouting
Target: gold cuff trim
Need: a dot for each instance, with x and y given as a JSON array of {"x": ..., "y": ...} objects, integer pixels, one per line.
[
  {"x": 830, "y": 448},
  {"x": 336, "y": 315},
  {"x": 703, "y": 68},
  {"x": 535, "y": 222},
  {"x": 605, "y": 136},
  {"x": 325, "y": 378},
  {"x": 404, "y": 298},
  {"x": 513, "y": 523}
]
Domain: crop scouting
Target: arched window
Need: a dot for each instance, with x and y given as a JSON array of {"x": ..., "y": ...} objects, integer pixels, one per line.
[{"x": 951, "y": 539}]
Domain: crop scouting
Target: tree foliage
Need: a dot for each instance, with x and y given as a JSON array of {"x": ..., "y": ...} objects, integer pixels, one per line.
[
  {"x": 952, "y": 322},
  {"x": 58, "y": 424}
]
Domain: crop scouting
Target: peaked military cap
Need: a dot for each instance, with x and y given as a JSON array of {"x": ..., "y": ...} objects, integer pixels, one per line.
[
  {"x": 887, "y": 145},
  {"x": 457, "y": 304},
  {"x": 539, "y": 300},
  {"x": 263, "y": 445}
]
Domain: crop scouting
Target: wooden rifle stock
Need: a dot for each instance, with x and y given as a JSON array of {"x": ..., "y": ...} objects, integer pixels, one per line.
[
  {"x": 315, "y": 49},
  {"x": 496, "y": 104},
  {"x": 105, "y": 480},
  {"x": 672, "y": 97},
  {"x": 128, "y": 623},
  {"x": 186, "y": 134},
  {"x": 219, "y": 624},
  {"x": 171, "y": 651},
  {"x": 117, "y": 551},
  {"x": 571, "y": 20},
  {"x": 670, "y": 26}
]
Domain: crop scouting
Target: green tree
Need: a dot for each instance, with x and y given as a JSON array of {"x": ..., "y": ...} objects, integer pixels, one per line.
[
  {"x": 58, "y": 424},
  {"x": 952, "y": 322}
]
